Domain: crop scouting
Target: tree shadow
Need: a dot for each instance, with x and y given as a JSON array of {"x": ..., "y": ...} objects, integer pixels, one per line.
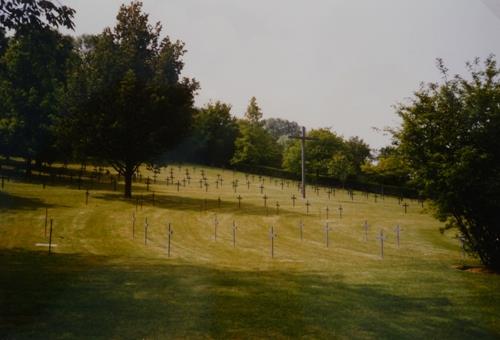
[
  {"x": 88, "y": 296},
  {"x": 183, "y": 203},
  {"x": 13, "y": 202}
]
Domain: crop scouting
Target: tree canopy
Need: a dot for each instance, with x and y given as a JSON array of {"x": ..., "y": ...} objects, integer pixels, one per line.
[
  {"x": 127, "y": 102},
  {"x": 449, "y": 137}
]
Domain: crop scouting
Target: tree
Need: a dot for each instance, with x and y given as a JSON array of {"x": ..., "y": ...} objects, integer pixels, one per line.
[
  {"x": 278, "y": 127},
  {"x": 341, "y": 167},
  {"x": 449, "y": 137},
  {"x": 390, "y": 168},
  {"x": 318, "y": 152},
  {"x": 253, "y": 113},
  {"x": 32, "y": 75},
  {"x": 255, "y": 146},
  {"x": 357, "y": 153},
  {"x": 126, "y": 102},
  {"x": 34, "y": 14},
  {"x": 214, "y": 134}
]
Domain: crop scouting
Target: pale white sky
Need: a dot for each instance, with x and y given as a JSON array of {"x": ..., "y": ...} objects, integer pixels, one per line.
[{"x": 323, "y": 63}]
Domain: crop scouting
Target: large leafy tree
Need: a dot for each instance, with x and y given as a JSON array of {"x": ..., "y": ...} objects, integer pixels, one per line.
[
  {"x": 254, "y": 145},
  {"x": 32, "y": 74},
  {"x": 127, "y": 102},
  {"x": 19, "y": 15},
  {"x": 319, "y": 152},
  {"x": 214, "y": 134},
  {"x": 278, "y": 127},
  {"x": 449, "y": 137}
]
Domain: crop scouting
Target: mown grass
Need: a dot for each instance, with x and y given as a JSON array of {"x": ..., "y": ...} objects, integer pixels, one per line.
[{"x": 101, "y": 282}]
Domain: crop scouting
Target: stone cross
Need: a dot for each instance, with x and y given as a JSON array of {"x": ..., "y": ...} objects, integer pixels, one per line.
[
  {"x": 327, "y": 211},
  {"x": 188, "y": 179},
  {"x": 366, "y": 226},
  {"x": 327, "y": 233},
  {"x": 293, "y": 200},
  {"x": 329, "y": 193},
  {"x": 46, "y": 221},
  {"x": 265, "y": 200},
  {"x": 248, "y": 184},
  {"x": 340, "y": 211},
  {"x": 170, "y": 232},
  {"x": 282, "y": 183},
  {"x": 216, "y": 184},
  {"x": 381, "y": 237},
  {"x": 239, "y": 198},
  {"x": 201, "y": 183},
  {"x": 406, "y": 205},
  {"x": 234, "y": 234},
  {"x": 307, "y": 207},
  {"x": 272, "y": 236},
  {"x": 216, "y": 223},
  {"x": 398, "y": 230},
  {"x": 261, "y": 188},
  {"x": 178, "y": 185},
  {"x": 277, "y": 207},
  {"x": 50, "y": 237},
  {"x": 133, "y": 225}
]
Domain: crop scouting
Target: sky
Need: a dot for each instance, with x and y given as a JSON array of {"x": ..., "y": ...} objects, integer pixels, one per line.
[{"x": 341, "y": 64}]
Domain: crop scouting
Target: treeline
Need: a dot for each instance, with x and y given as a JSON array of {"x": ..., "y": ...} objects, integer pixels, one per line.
[{"x": 118, "y": 98}]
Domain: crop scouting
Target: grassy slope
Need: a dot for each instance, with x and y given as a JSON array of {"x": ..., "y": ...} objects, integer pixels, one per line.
[{"x": 103, "y": 283}]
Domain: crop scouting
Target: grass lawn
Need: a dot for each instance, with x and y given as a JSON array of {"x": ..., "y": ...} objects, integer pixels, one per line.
[{"x": 103, "y": 281}]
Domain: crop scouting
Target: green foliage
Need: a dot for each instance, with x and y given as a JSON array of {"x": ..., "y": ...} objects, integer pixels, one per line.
[
  {"x": 21, "y": 15},
  {"x": 318, "y": 152},
  {"x": 390, "y": 168},
  {"x": 278, "y": 127},
  {"x": 214, "y": 134},
  {"x": 32, "y": 76},
  {"x": 449, "y": 137},
  {"x": 341, "y": 167},
  {"x": 357, "y": 153},
  {"x": 126, "y": 102},
  {"x": 255, "y": 146},
  {"x": 253, "y": 113}
]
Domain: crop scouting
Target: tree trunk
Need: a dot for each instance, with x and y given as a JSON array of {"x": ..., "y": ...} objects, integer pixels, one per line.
[
  {"x": 28, "y": 168},
  {"x": 128, "y": 181}
]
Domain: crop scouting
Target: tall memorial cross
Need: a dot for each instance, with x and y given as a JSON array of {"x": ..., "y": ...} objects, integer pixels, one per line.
[
  {"x": 340, "y": 211},
  {"x": 303, "y": 139},
  {"x": 293, "y": 200},
  {"x": 307, "y": 207},
  {"x": 239, "y": 198},
  {"x": 265, "y": 200},
  {"x": 261, "y": 188}
]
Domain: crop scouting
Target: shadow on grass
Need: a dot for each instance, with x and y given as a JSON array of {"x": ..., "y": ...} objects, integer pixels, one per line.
[
  {"x": 184, "y": 203},
  {"x": 75, "y": 296},
  {"x": 13, "y": 202}
]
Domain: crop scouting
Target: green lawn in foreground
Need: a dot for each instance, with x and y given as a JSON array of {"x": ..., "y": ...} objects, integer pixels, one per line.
[{"x": 100, "y": 282}]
